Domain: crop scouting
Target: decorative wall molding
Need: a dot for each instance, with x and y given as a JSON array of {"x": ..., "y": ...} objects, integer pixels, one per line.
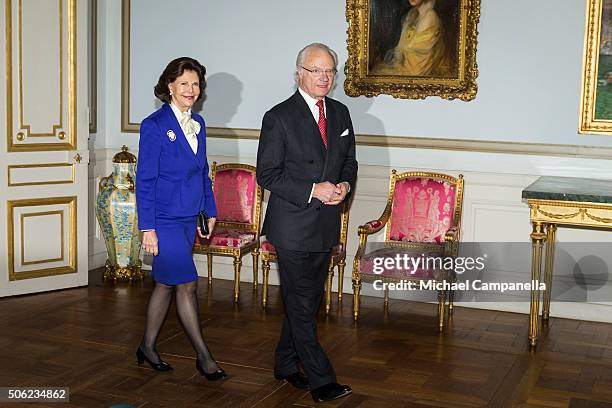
[
  {"x": 18, "y": 210},
  {"x": 538, "y": 149},
  {"x": 23, "y": 81},
  {"x": 466, "y": 145},
  {"x": 93, "y": 66},
  {"x": 126, "y": 125}
]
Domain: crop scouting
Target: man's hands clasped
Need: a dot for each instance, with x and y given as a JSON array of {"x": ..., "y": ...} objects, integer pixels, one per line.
[{"x": 330, "y": 194}]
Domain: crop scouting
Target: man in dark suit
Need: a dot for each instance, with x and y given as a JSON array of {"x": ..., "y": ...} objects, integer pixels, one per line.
[{"x": 306, "y": 158}]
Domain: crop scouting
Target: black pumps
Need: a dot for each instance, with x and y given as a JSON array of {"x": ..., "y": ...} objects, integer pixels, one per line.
[
  {"x": 161, "y": 366},
  {"x": 214, "y": 376}
]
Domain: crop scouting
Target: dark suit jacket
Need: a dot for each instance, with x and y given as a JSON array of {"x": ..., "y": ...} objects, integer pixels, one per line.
[
  {"x": 170, "y": 179},
  {"x": 291, "y": 157}
]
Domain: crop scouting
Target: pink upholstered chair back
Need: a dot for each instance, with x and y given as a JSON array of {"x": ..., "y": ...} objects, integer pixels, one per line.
[
  {"x": 237, "y": 195},
  {"x": 424, "y": 206}
]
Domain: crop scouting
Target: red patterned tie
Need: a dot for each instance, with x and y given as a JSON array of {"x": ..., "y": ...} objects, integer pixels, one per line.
[{"x": 322, "y": 122}]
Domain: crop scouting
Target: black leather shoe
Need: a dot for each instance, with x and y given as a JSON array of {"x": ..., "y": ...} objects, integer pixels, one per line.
[
  {"x": 297, "y": 379},
  {"x": 330, "y": 392},
  {"x": 161, "y": 366},
  {"x": 220, "y": 374}
]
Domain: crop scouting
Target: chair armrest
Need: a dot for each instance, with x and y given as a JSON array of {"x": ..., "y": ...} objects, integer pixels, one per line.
[
  {"x": 371, "y": 227},
  {"x": 376, "y": 225},
  {"x": 364, "y": 230},
  {"x": 452, "y": 235}
]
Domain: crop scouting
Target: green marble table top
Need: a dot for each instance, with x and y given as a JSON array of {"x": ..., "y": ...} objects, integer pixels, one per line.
[{"x": 570, "y": 189}]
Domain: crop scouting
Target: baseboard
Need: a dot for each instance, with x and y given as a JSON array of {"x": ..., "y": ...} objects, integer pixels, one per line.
[{"x": 97, "y": 260}]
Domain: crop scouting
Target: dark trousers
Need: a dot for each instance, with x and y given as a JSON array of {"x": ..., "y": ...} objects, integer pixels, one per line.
[{"x": 302, "y": 276}]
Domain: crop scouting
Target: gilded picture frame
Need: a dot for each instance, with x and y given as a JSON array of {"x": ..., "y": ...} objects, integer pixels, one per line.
[
  {"x": 412, "y": 49},
  {"x": 596, "y": 89}
]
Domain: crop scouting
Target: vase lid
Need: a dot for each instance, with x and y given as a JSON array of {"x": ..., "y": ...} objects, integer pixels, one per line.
[{"x": 124, "y": 156}]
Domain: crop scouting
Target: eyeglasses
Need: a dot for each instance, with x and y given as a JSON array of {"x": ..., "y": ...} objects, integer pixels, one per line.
[{"x": 319, "y": 72}]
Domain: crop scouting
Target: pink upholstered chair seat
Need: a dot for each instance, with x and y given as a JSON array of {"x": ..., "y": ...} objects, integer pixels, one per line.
[
  {"x": 229, "y": 238},
  {"x": 366, "y": 264}
]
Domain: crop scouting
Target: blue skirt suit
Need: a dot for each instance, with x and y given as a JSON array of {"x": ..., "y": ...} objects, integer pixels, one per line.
[{"x": 172, "y": 187}]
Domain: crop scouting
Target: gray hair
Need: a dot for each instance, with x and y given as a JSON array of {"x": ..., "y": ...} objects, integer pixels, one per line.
[{"x": 299, "y": 62}]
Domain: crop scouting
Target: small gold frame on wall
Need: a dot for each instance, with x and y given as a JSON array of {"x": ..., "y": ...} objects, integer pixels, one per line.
[
  {"x": 596, "y": 90},
  {"x": 385, "y": 51}
]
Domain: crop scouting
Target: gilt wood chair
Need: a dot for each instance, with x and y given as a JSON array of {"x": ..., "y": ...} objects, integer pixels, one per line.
[
  {"x": 338, "y": 258},
  {"x": 422, "y": 218},
  {"x": 238, "y": 198}
]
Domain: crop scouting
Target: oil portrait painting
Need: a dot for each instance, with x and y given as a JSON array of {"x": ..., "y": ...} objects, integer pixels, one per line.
[{"x": 412, "y": 48}]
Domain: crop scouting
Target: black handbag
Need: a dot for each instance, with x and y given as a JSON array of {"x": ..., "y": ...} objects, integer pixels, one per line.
[{"x": 203, "y": 223}]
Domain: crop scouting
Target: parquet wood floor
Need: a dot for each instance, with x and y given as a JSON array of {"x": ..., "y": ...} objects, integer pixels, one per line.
[{"x": 85, "y": 339}]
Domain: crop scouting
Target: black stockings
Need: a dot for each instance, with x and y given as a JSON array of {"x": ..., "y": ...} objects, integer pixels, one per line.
[
  {"x": 188, "y": 312},
  {"x": 156, "y": 314}
]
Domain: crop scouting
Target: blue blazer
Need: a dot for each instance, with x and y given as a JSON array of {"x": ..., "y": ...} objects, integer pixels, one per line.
[{"x": 171, "y": 180}]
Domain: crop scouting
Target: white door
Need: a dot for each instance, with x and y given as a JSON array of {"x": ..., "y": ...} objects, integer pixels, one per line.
[{"x": 43, "y": 151}]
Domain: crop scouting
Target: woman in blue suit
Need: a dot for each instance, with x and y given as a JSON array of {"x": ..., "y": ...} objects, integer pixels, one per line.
[{"x": 172, "y": 187}]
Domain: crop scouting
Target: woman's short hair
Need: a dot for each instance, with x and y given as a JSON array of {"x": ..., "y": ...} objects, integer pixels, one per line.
[{"x": 175, "y": 69}]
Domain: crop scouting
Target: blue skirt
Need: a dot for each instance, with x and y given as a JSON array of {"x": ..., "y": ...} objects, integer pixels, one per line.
[{"x": 173, "y": 264}]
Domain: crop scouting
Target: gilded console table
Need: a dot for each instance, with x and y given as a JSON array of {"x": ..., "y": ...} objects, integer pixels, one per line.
[{"x": 557, "y": 201}]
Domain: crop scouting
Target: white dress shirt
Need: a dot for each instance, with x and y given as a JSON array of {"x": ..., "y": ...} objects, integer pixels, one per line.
[{"x": 312, "y": 105}]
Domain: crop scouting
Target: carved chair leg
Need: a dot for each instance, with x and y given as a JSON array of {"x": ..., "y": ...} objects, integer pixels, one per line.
[
  {"x": 451, "y": 299},
  {"x": 356, "y": 290},
  {"x": 386, "y": 298},
  {"x": 341, "y": 266},
  {"x": 209, "y": 260},
  {"x": 265, "y": 268},
  {"x": 255, "y": 255},
  {"x": 441, "y": 309},
  {"x": 328, "y": 287},
  {"x": 237, "y": 265}
]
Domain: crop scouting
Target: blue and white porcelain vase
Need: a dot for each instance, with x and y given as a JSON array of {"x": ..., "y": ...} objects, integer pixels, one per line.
[{"x": 116, "y": 213}]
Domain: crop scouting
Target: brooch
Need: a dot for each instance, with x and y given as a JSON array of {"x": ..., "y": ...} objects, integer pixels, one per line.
[{"x": 171, "y": 135}]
